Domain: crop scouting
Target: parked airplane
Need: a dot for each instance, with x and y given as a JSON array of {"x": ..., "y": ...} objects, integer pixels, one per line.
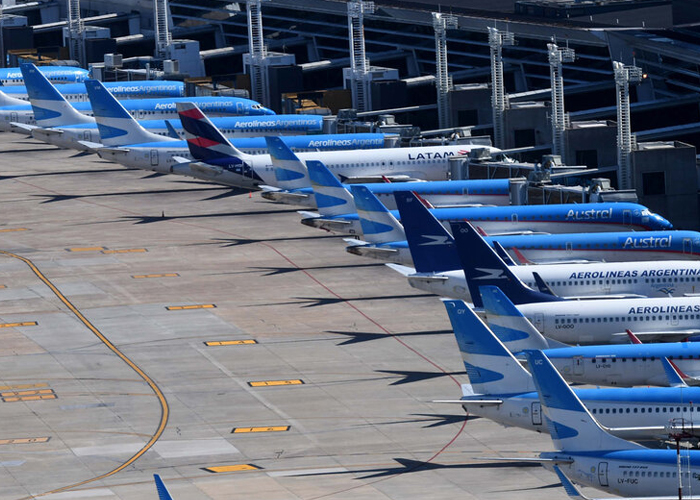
[
  {"x": 613, "y": 247},
  {"x": 55, "y": 74},
  {"x": 136, "y": 89},
  {"x": 667, "y": 364},
  {"x": 593, "y": 457},
  {"x": 339, "y": 215},
  {"x": 502, "y": 390},
  {"x": 583, "y": 322},
  {"x": 219, "y": 159},
  {"x": 437, "y": 193},
  {"x": 574, "y": 280},
  {"x": 51, "y": 108}
]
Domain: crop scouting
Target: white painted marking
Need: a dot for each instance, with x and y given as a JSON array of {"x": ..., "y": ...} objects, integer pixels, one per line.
[
  {"x": 194, "y": 448},
  {"x": 109, "y": 449},
  {"x": 97, "y": 492}
]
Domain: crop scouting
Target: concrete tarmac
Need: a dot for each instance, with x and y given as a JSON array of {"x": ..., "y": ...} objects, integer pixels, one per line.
[{"x": 163, "y": 325}]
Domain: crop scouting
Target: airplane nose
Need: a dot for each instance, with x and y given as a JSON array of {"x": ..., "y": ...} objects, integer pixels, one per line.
[{"x": 267, "y": 111}]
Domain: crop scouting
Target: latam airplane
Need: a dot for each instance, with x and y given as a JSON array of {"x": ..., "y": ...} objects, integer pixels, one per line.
[
  {"x": 573, "y": 280},
  {"x": 584, "y": 322},
  {"x": 337, "y": 213},
  {"x": 217, "y": 158},
  {"x": 137, "y": 89},
  {"x": 437, "y": 193},
  {"x": 384, "y": 239},
  {"x": 49, "y": 107},
  {"x": 591, "y": 456},
  {"x": 55, "y": 74},
  {"x": 666, "y": 364},
  {"x": 501, "y": 390}
]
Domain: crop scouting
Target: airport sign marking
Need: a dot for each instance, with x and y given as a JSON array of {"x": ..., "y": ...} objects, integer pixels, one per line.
[
  {"x": 22, "y": 323},
  {"x": 230, "y": 342},
  {"x": 13, "y": 229},
  {"x": 196, "y": 306},
  {"x": 247, "y": 430},
  {"x": 271, "y": 383},
  {"x": 25, "y": 440},
  {"x": 231, "y": 468}
]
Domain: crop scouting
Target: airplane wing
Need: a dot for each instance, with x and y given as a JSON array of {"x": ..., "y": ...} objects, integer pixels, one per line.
[
  {"x": 601, "y": 297},
  {"x": 518, "y": 233},
  {"x": 276, "y": 194},
  {"x": 163, "y": 493},
  {"x": 362, "y": 248}
]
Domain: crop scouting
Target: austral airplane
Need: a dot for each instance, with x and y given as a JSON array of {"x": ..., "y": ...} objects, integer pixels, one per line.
[
  {"x": 626, "y": 365},
  {"x": 589, "y": 455},
  {"x": 574, "y": 280},
  {"x": 217, "y": 158},
  {"x": 502, "y": 390},
  {"x": 338, "y": 213},
  {"x": 384, "y": 239}
]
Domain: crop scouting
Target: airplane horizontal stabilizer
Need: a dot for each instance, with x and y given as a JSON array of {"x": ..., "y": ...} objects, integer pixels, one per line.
[
  {"x": 22, "y": 127},
  {"x": 403, "y": 270},
  {"x": 206, "y": 169},
  {"x": 92, "y": 146}
]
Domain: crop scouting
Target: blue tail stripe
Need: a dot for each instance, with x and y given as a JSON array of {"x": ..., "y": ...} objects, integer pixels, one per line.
[
  {"x": 326, "y": 201},
  {"x": 373, "y": 227},
  {"x": 319, "y": 174},
  {"x": 553, "y": 390},
  {"x": 284, "y": 174},
  {"x": 41, "y": 114}
]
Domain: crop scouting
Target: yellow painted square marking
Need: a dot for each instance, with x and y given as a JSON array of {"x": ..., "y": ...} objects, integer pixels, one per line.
[
  {"x": 23, "y": 386},
  {"x": 246, "y": 430},
  {"x": 25, "y": 440},
  {"x": 27, "y": 393},
  {"x": 86, "y": 249},
  {"x": 166, "y": 275},
  {"x": 13, "y": 229},
  {"x": 126, "y": 250},
  {"x": 15, "y": 399},
  {"x": 230, "y": 342},
  {"x": 231, "y": 468},
  {"x": 270, "y": 383},
  {"x": 196, "y": 306},
  {"x": 13, "y": 325},
  {"x": 3, "y": 286}
]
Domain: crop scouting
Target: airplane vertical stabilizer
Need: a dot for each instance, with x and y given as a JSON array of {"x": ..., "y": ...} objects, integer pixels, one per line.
[
  {"x": 432, "y": 247},
  {"x": 50, "y": 108},
  {"x": 482, "y": 266},
  {"x": 205, "y": 141},
  {"x": 163, "y": 493},
  {"x": 378, "y": 225},
  {"x": 509, "y": 324},
  {"x": 572, "y": 427},
  {"x": 491, "y": 367},
  {"x": 332, "y": 198},
  {"x": 290, "y": 171},
  {"x": 117, "y": 127}
]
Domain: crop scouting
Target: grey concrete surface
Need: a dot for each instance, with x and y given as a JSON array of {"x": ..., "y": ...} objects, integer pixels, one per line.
[{"x": 370, "y": 351}]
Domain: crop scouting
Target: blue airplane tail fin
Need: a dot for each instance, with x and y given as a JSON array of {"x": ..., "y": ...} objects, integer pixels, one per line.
[
  {"x": 50, "y": 108},
  {"x": 378, "y": 225},
  {"x": 204, "y": 140},
  {"x": 290, "y": 171},
  {"x": 492, "y": 369},
  {"x": 117, "y": 127},
  {"x": 508, "y": 323},
  {"x": 163, "y": 493},
  {"x": 332, "y": 198},
  {"x": 571, "y": 426},
  {"x": 432, "y": 247},
  {"x": 482, "y": 266}
]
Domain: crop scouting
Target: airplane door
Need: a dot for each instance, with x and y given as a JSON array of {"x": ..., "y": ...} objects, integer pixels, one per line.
[
  {"x": 627, "y": 217},
  {"x": 514, "y": 217},
  {"x": 539, "y": 322},
  {"x": 13, "y": 117},
  {"x": 578, "y": 365},
  {"x": 687, "y": 245},
  {"x": 603, "y": 473},
  {"x": 536, "y": 412},
  {"x": 569, "y": 247},
  {"x": 154, "y": 157}
]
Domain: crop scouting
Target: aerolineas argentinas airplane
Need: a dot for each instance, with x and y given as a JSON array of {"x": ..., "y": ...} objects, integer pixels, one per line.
[
  {"x": 137, "y": 89},
  {"x": 337, "y": 213},
  {"x": 51, "y": 107},
  {"x": 55, "y": 74},
  {"x": 589, "y": 455},
  {"x": 666, "y": 364},
  {"x": 217, "y": 158},
  {"x": 573, "y": 280},
  {"x": 502, "y": 390},
  {"x": 578, "y": 321}
]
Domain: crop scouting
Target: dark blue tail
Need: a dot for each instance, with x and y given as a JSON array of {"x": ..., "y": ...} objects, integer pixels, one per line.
[
  {"x": 432, "y": 246},
  {"x": 482, "y": 266}
]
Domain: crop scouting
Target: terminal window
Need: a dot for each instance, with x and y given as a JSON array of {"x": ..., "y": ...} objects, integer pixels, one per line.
[{"x": 653, "y": 183}]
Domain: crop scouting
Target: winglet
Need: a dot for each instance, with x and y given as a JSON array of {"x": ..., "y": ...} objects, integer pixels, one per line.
[
  {"x": 676, "y": 378},
  {"x": 568, "y": 486},
  {"x": 633, "y": 338},
  {"x": 542, "y": 285},
  {"x": 503, "y": 254},
  {"x": 163, "y": 493}
]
